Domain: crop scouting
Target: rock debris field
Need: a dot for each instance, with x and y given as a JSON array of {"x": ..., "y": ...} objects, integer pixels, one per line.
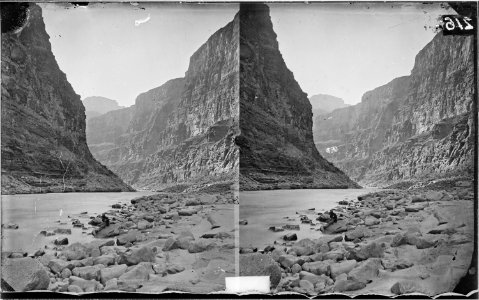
[
  {"x": 158, "y": 243},
  {"x": 388, "y": 242}
]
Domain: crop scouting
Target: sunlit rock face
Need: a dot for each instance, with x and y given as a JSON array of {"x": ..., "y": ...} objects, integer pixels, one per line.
[
  {"x": 276, "y": 141},
  {"x": 417, "y": 127},
  {"x": 43, "y": 120},
  {"x": 182, "y": 132}
]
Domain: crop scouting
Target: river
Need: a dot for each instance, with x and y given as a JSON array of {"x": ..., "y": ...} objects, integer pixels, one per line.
[
  {"x": 36, "y": 212},
  {"x": 263, "y": 209}
]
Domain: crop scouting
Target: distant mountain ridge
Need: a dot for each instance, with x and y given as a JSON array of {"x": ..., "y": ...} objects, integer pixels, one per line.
[
  {"x": 97, "y": 105},
  {"x": 323, "y": 103}
]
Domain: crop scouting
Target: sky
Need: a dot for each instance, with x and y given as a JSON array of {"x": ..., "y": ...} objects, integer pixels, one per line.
[
  {"x": 120, "y": 50},
  {"x": 344, "y": 49}
]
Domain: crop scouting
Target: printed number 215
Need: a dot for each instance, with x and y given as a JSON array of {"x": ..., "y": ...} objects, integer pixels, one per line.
[{"x": 450, "y": 25}]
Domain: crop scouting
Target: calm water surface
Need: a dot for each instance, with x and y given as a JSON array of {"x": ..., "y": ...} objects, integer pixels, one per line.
[
  {"x": 263, "y": 209},
  {"x": 36, "y": 212}
]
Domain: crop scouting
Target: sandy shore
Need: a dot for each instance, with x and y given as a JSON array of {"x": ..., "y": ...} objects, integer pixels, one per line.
[
  {"x": 164, "y": 242},
  {"x": 388, "y": 242}
]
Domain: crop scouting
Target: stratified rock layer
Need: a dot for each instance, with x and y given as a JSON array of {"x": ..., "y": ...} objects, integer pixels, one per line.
[
  {"x": 181, "y": 133},
  {"x": 43, "y": 121},
  {"x": 417, "y": 127},
  {"x": 276, "y": 142}
]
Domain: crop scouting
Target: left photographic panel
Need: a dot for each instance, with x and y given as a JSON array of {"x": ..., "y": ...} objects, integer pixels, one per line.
[{"x": 119, "y": 164}]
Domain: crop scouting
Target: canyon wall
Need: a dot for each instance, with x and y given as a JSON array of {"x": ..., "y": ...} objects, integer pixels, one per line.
[
  {"x": 415, "y": 128},
  {"x": 181, "y": 133},
  {"x": 43, "y": 120},
  {"x": 276, "y": 141}
]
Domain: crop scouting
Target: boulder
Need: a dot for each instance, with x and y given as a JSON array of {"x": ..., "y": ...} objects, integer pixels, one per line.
[
  {"x": 301, "y": 251},
  {"x": 139, "y": 272},
  {"x": 74, "y": 289},
  {"x": 111, "y": 285},
  {"x": 307, "y": 286},
  {"x": 105, "y": 260},
  {"x": 192, "y": 202},
  {"x": 348, "y": 285},
  {"x": 88, "y": 272},
  {"x": 370, "y": 220},
  {"x": 61, "y": 241},
  {"x": 174, "y": 268},
  {"x": 276, "y": 228},
  {"x": 296, "y": 268},
  {"x": 335, "y": 255},
  {"x": 24, "y": 274},
  {"x": 373, "y": 249},
  {"x": 313, "y": 278},
  {"x": 66, "y": 273},
  {"x": 142, "y": 225},
  {"x": 106, "y": 274},
  {"x": 406, "y": 287},
  {"x": 129, "y": 237},
  {"x": 290, "y": 237},
  {"x": 200, "y": 246},
  {"x": 346, "y": 266},
  {"x": 317, "y": 267},
  {"x": 57, "y": 265},
  {"x": 85, "y": 285},
  {"x": 187, "y": 212},
  {"x": 288, "y": 260},
  {"x": 291, "y": 227},
  {"x": 366, "y": 270},
  {"x": 75, "y": 251},
  {"x": 170, "y": 244},
  {"x": 260, "y": 265},
  {"x": 143, "y": 254}
]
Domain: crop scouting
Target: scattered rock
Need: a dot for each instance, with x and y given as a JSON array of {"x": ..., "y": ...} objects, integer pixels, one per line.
[
  {"x": 24, "y": 274},
  {"x": 342, "y": 267},
  {"x": 290, "y": 237},
  {"x": 260, "y": 265},
  {"x": 366, "y": 270},
  {"x": 143, "y": 254},
  {"x": 406, "y": 287},
  {"x": 61, "y": 241},
  {"x": 106, "y": 274}
]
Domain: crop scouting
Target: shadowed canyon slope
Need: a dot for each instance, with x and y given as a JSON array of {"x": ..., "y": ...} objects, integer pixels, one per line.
[
  {"x": 415, "y": 127},
  {"x": 181, "y": 133},
  {"x": 43, "y": 120},
  {"x": 276, "y": 141}
]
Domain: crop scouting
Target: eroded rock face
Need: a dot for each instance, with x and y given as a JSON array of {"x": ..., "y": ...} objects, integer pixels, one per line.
[
  {"x": 183, "y": 131},
  {"x": 276, "y": 141},
  {"x": 43, "y": 120},
  {"x": 415, "y": 127}
]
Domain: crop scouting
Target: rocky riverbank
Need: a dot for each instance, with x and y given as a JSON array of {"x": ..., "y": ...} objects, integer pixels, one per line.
[
  {"x": 163, "y": 242},
  {"x": 388, "y": 242}
]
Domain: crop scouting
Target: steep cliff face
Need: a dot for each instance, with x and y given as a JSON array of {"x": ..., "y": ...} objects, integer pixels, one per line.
[
  {"x": 183, "y": 131},
  {"x": 417, "y": 127},
  {"x": 276, "y": 141},
  {"x": 43, "y": 120}
]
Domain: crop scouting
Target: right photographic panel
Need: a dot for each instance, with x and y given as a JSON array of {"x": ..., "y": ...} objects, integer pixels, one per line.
[{"x": 357, "y": 147}]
